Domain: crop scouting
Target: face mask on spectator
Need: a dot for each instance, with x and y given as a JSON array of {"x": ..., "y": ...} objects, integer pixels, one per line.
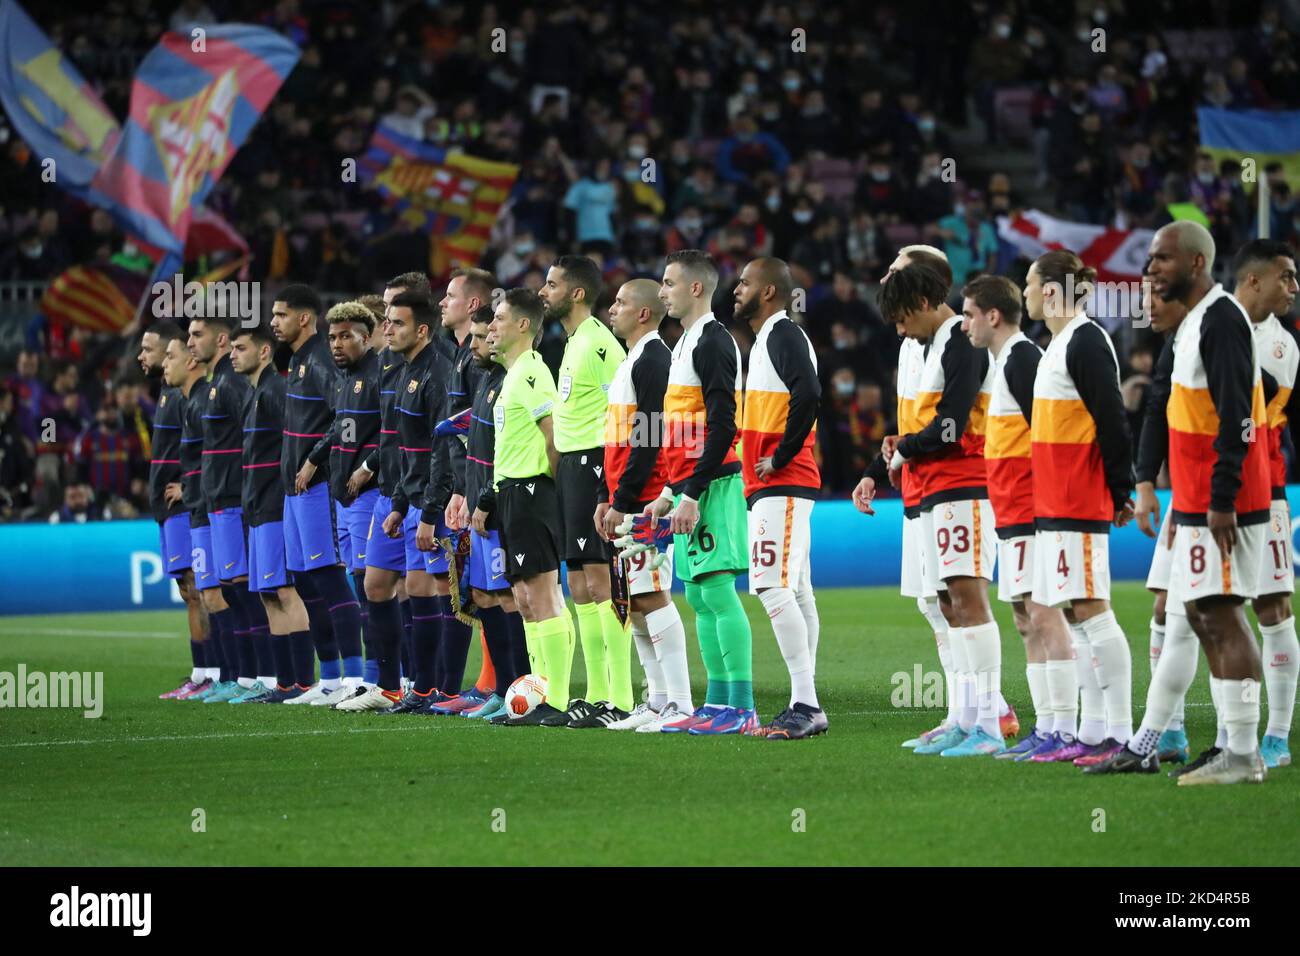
[
  {"x": 631, "y": 174},
  {"x": 1035, "y": 40},
  {"x": 524, "y": 247},
  {"x": 802, "y": 216},
  {"x": 763, "y": 63},
  {"x": 959, "y": 209},
  {"x": 635, "y": 151},
  {"x": 1205, "y": 178},
  {"x": 689, "y": 225},
  {"x": 33, "y": 252},
  {"x": 749, "y": 89},
  {"x": 1003, "y": 30},
  {"x": 844, "y": 388},
  {"x": 773, "y": 202},
  {"x": 790, "y": 83},
  {"x": 1140, "y": 162},
  {"x": 1083, "y": 34},
  {"x": 880, "y": 175},
  {"x": 1099, "y": 15},
  {"x": 925, "y": 125}
]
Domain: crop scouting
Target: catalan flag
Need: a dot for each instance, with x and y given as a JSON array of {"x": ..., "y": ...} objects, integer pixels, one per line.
[
  {"x": 98, "y": 298},
  {"x": 456, "y": 197},
  {"x": 1263, "y": 135}
]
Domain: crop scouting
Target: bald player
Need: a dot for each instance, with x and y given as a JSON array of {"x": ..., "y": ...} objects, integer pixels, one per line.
[
  {"x": 635, "y": 471},
  {"x": 777, "y": 431}
]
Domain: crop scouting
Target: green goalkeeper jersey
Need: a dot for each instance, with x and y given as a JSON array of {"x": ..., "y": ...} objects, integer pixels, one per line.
[
  {"x": 591, "y": 358},
  {"x": 527, "y": 396}
]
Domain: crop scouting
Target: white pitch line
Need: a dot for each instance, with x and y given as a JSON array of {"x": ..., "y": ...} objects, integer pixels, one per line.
[{"x": 79, "y": 632}]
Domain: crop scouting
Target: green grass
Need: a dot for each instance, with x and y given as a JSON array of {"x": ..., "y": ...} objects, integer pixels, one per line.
[{"x": 291, "y": 785}]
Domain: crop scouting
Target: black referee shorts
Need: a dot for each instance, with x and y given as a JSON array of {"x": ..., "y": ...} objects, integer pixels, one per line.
[
  {"x": 578, "y": 476},
  {"x": 529, "y": 514}
]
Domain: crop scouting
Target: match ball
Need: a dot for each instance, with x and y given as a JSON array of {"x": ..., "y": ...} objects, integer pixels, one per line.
[{"x": 526, "y": 694}]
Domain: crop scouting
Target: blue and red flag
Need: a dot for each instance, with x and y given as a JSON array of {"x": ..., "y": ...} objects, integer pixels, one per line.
[
  {"x": 50, "y": 105},
  {"x": 193, "y": 104}
]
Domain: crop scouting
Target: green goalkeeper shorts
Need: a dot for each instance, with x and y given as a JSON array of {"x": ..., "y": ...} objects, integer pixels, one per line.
[{"x": 720, "y": 541}]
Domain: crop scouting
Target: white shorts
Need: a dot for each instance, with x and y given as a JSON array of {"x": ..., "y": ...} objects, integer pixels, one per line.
[
  {"x": 641, "y": 579},
  {"x": 1276, "y": 566},
  {"x": 912, "y": 575},
  {"x": 1200, "y": 569},
  {"x": 1071, "y": 566},
  {"x": 1015, "y": 568},
  {"x": 779, "y": 539},
  {"x": 963, "y": 542},
  {"x": 1158, "y": 576},
  {"x": 931, "y": 583}
]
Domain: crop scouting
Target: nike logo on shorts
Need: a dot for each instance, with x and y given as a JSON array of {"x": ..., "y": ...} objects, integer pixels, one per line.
[
  {"x": 316, "y": 555},
  {"x": 267, "y": 577},
  {"x": 173, "y": 558},
  {"x": 229, "y": 566}
]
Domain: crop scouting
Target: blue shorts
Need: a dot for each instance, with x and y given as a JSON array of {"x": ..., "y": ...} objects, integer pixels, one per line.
[
  {"x": 487, "y": 562},
  {"x": 174, "y": 535},
  {"x": 309, "y": 538},
  {"x": 266, "y": 568},
  {"x": 381, "y": 550},
  {"x": 343, "y": 534},
  {"x": 354, "y": 527},
  {"x": 202, "y": 559},
  {"x": 228, "y": 543},
  {"x": 435, "y": 561}
]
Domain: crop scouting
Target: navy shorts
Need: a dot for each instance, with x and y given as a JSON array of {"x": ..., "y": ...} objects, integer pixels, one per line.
[
  {"x": 354, "y": 526},
  {"x": 202, "y": 559},
  {"x": 309, "y": 538},
  {"x": 174, "y": 535},
  {"x": 487, "y": 562},
  {"x": 228, "y": 543},
  {"x": 266, "y": 567},
  {"x": 381, "y": 550}
]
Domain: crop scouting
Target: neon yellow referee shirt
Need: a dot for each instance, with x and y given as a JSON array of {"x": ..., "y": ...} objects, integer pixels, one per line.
[
  {"x": 527, "y": 396},
  {"x": 591, "y": 358}
]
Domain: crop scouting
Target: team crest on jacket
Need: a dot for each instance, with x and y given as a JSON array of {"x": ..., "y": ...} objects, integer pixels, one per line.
[
  {"x": 411, "y": 387},
  {"x": 1279, "y": 350},
  {"x": 566, "y": 386},
  {"x": 162, "y": 401},
  {"x": 357, "y": 387},
  {"x": 212, "y": 393},
  {"x": 492, "y": 393},
  {"x": 302, "y": 371}
]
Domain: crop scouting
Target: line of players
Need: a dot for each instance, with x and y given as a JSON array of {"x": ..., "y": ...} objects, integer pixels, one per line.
[
  {"x": 998, "y": 434},
  {"x": 429, "y": 453}
]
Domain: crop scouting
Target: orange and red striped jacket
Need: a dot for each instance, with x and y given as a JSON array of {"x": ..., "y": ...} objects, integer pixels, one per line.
[
  {"x": 1007, "y": 448},
  {"x": 700, "y": 408},
  {"x": 780, "y": 412},
  {"x": 947, "y": 449},
  {"x": 635, "y": 471},
  {"x": 1218, "y": 448},
  {"x": 1279, "y": 358}
]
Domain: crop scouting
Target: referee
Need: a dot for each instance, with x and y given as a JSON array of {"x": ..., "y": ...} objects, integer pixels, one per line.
[
  {"x": 526, "y": 505},
  {"x": 591, "y": 359}
]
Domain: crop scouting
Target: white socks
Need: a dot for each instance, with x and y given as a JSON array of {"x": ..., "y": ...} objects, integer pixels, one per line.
[
  {"x": 1221, "y": 738},
  {"x": 1062, "y": 697},
  {"x": 929, "y": 608},
  {"x": 1169, "y": 683},
  {"x": 196, "y": 674},
  {"x": 1239, "y": 700},
  {"x": 984, "y": 653},
  {"x": 330, "y": 683},
  {"x": 1281, "y": 669},
  {"x": 248, "y": 682},
  {"x": 1092, "y": 727},
  {"x": 811, "y": 620},
  {"x": 1036, "y": 674},
  {"x": 645, "y": 652},
  {"x": 669, "y": 640},
  {"x": 791, "y": 632},
  {"x": 1113, "y": 666},
  {"x": 964, "y": 679},
  {"x": 1156, "y": 643},
  {"x": 212, "y": 673}
]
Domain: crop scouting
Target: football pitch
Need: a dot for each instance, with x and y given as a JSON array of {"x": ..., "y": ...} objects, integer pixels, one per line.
[{"x": 170, "y": 783}]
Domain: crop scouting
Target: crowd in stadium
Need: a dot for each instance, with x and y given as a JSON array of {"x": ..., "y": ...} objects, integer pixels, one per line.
[{"x": 831, "y": 153}]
